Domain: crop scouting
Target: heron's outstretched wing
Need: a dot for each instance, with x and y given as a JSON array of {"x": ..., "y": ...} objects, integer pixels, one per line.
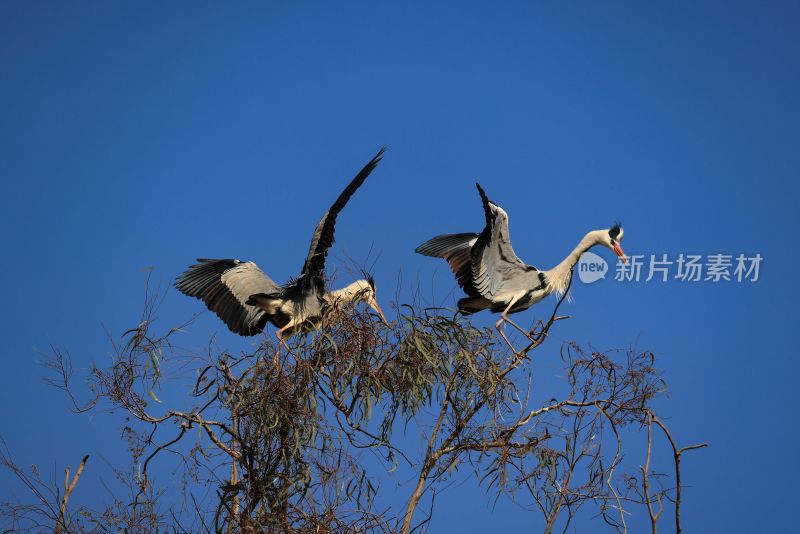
[
  {"x": 455, "y": 248},
  {"x": 496, "y": 269},
  {"x": 322, "y": 239},
  {"x": 225, "y": 286}
]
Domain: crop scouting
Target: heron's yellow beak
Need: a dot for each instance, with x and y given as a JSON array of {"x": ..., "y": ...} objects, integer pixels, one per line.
[
  {"x": 374, "y": 305},
  {"x": 618, "y": 252}
]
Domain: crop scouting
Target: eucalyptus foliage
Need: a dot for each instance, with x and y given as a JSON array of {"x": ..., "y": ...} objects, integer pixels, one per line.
[{"x": 283, "y": 449}]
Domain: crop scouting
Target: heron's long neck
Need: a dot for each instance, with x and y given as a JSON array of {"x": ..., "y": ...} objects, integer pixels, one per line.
[
  {"x": 347, "y": 293},
  {"x": 558, "y": 276}
]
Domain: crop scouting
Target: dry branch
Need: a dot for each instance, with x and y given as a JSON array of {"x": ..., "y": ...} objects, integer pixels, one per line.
[{"x": 279, "y": 448}]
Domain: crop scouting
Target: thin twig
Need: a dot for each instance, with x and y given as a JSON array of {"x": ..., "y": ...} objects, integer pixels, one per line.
[
  {"x": 69, "y": 486},
  {"x": 676, "y": 452}
]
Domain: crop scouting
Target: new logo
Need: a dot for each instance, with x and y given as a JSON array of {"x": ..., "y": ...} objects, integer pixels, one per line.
[{"x": 591, "y": 268}]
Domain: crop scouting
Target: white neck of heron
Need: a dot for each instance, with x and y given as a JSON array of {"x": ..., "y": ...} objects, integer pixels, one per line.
[
  {"x": 558, "y": 277},
  {"x": 347, "y": 293}
]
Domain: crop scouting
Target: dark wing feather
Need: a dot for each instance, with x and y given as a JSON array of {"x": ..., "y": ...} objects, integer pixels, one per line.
[
  {"x": 225, "y": 286},
  {"x": 322, "y": 239},
  {"x": 496, "y": 269},
  {"x": 455, "y": 248},
  {"x": 487, "y": 205}
]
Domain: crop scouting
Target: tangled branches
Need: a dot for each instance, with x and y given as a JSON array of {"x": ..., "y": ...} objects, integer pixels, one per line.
[{"x": 282, "y": 447}]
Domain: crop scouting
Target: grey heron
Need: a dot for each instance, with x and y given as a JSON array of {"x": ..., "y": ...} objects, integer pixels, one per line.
[
  {"x": 492, "y": 275},
  {"x": 245, "y": 298}
]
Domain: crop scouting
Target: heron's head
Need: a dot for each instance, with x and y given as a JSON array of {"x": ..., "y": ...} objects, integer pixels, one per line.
[
  {"x": 611, "y": 239},
  {"x": 364, "y": 291}
]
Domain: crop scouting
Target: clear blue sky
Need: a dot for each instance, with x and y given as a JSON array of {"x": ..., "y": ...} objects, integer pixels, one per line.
[{"x": 138, "y": 135}]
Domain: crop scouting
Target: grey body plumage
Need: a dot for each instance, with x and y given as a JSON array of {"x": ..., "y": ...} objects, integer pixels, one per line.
[
  {"x": 486, "y": 266},
  {"x": 492, "y": 275},
  {"x": 246, "y": 299}
]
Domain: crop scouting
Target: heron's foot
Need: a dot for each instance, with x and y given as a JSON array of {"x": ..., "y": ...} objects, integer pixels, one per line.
[{"x": 538, "y": 326}]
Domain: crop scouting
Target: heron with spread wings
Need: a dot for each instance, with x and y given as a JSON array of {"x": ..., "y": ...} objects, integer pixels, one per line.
[
  {"x": 492, "y": 275},
  {"x": 245, "y": 298}
]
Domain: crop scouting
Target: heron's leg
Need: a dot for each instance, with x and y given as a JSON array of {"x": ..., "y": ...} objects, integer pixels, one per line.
[
  {"x": 512, "y": 323},
  {"x": 503, "y": 335},
  {"x": 518, "y": 327},
  {"x": 504, "y": 318},
  {"x": 279, "y": 334},
  {"x": 504, "y": 315},
  {"x": 278, "y": 352}
]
